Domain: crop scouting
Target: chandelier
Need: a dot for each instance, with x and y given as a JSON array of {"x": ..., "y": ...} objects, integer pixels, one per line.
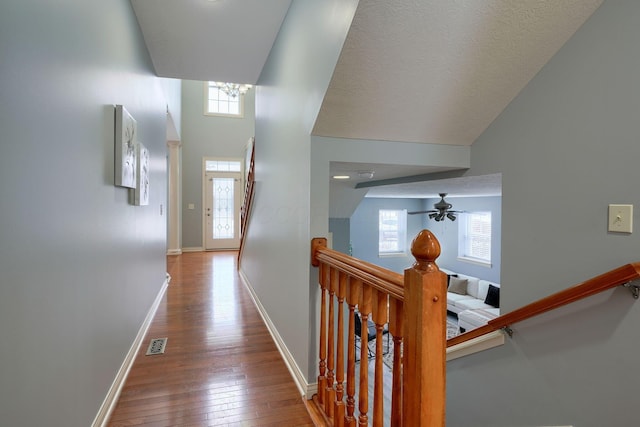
[{"x": 232, "y": 89}]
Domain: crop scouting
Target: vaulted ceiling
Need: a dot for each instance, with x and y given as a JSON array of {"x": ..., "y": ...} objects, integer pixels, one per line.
[
  {"x": 438, "y": 71},
  {"x": 427, "y": 71}
]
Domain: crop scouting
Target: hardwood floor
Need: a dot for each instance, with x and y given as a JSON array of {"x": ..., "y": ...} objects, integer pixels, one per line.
[{"x": 220, "y": 365}]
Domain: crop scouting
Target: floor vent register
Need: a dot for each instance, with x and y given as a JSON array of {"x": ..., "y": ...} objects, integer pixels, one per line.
[{"x": 157, "y": 346}]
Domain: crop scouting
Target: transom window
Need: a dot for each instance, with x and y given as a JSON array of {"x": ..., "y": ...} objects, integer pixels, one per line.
[
  {"x": 217, "y": 102},
  {"x": 222, "y": 165},
  {"x": 474, "y": 237},
  {"x": 392, "y": 232}
]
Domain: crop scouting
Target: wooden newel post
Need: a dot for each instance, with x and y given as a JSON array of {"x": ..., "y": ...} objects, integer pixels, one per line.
[{"x": 425, "y": 336}]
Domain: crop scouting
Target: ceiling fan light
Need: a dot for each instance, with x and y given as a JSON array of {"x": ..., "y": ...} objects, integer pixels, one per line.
[{"x": 442, "y": 210}]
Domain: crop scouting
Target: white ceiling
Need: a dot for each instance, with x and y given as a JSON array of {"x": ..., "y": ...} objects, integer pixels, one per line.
[
  {"x": 220, "y": 40},
  {"x": 427, "y": 71}
]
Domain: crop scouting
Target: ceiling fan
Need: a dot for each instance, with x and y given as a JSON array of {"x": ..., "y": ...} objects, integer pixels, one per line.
[{"x": 442, "y": 210}]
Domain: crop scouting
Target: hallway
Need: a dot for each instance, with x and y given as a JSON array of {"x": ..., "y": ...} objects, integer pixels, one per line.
[{"x": 220, "y": 365}]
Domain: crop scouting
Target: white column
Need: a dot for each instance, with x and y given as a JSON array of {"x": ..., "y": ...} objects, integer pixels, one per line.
[{"x": 174, "y": 229}]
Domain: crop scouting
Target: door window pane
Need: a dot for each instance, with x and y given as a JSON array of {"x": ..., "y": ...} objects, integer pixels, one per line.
[{"x": 223, "y": 209}]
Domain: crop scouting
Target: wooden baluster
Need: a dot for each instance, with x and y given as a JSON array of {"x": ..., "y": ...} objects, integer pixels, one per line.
[
  {"x": 322, "y": 380},
  {"x": 425, "y": 336},
  {"x": 355, "y": 289},
  {"x": 339, "y": 410},
  {"x": 365, "y": 309},
  {"x": 380, "y": 315},
  {"x": 395, "y": 330},
  {"x": 330, "y": 391}
]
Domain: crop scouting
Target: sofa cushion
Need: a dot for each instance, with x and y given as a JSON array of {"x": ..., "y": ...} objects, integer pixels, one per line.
[
  {"x": 471, "y": 319},
  {"x": 458, "y": 285},
  {"x": 471, "y": 304},
  {"x": 472, "y": 285},
  {"x": 453, "y": 298},
  {"x": 449, "y": 276},
  {"x": 493, "y": 296}
]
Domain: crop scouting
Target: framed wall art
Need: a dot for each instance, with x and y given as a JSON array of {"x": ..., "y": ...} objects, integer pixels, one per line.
[
  {"x": 141, "y": 192},
  {"x": 125, "y": 148}
]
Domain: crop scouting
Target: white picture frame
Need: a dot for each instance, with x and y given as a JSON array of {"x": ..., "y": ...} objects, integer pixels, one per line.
[
  {"x": 141, "y": 192},
  {"x": 126, "y": 133}
]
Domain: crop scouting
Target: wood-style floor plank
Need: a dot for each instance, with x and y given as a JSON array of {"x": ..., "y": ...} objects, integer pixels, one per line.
[{"x": 220, "y": 365}]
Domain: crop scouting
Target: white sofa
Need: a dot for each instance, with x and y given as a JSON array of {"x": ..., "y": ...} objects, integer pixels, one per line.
[{"x": 470, "y": 302}]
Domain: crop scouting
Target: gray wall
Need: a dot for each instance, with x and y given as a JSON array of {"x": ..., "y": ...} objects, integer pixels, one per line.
[
  {"x": 364, "y": 231},
  {"x": 567, "y": 147},
  {"x": 341, "y": 232},
  {"x": 80, "y": 266},
  {"x": 293, "y": 81},
  {"x": 206, "y": 136},
  {"x": 172, "y": 90},
  {"x": 447, "y": 234}
]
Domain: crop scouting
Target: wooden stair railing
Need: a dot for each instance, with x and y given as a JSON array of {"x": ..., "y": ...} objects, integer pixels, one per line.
[
  {"x": 620, "y": 276},
  {"x": 245, "y": 210},
  {"x": 413, "y": 306}
]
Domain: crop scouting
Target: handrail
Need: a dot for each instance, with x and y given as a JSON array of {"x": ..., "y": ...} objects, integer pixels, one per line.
[
  {"x": 246, "y": 204},
  {"x": 603, "y": 282},
  {"x": 380, "y": 278}
]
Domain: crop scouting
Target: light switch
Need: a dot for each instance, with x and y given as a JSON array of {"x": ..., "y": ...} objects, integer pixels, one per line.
[
  {"x": 191, "y": 206},
  {"x": 621, "y": 218}
]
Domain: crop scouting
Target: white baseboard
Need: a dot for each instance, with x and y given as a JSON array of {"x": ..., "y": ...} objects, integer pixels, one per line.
[
  {"x": 311, "y": 390},
  {"x": 174, "y": 252},
  {"x": 294, "y": 369},
  {"x": 194, "y": 249},
  {"x": 109, "y": 403}
]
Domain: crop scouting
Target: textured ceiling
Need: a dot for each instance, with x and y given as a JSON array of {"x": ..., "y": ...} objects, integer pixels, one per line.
[{"x": 440, "y": 72}]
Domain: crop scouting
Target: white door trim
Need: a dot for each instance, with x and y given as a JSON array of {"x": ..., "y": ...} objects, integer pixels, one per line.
[{"x": 239, "y": 176}]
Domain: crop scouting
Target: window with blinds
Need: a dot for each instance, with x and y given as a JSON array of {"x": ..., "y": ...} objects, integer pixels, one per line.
[
  {"x": 392, "y": 232},
  {"x": 474, "y": 235}
]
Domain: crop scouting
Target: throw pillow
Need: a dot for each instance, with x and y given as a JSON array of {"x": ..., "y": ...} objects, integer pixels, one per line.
[
  {"x": 458, "y": 286},
  {"x": 449, "y": 276},
  {"x": 493, "y": 296}
]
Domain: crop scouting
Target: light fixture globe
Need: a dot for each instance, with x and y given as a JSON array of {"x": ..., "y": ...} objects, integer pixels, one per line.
[{"x": 232, "y": 89}]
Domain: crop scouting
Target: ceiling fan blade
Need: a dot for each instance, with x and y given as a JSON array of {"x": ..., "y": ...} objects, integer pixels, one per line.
[{"x": 420, "y": 212}]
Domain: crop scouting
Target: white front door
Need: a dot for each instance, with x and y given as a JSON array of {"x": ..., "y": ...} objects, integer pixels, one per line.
[{"x": 222, "y": 202}]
